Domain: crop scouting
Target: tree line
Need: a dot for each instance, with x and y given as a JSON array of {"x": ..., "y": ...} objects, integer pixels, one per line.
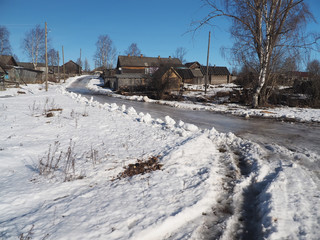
[
  {"x": 33, "y": 45},
  {"x": 266, "y": 34}
]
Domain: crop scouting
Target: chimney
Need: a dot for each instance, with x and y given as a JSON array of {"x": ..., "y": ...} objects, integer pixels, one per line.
[
  {"x": 141, "y": 55},
  {"x": 159, "y": 57},
  {"x": 169, "y": 57},
  {"x": 128, "y": 55}
]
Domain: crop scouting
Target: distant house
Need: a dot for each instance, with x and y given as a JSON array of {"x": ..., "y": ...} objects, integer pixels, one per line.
[
  {"x": 144, "y": 65},
  {"x": 190, "y": 76},
  {"x": 217, "y": 75},
  {"x": 135, "y": 72},
  {"x": 71, "y": 68},
  {"x": 296, "y": 75}
]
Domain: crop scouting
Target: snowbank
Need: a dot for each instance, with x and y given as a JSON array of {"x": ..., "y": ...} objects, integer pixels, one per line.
[
  {"x": 279, "y": 113},
  {"x": 206, "y": 179}
]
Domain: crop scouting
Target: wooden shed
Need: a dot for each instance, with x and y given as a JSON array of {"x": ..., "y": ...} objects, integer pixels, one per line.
[
  {"x": 167, "y": 78},
  {"x": 217, "y": 75},
  {"x": 191, "y": 76},
  {"x": 71, "y": 68}
]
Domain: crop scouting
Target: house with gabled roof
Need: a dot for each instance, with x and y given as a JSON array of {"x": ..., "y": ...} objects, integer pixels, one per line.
[
  {"x": 71, "y": 68},
  {"x": 17, "y": 74},
  {"x": 217, "y": 75},
  {"x": 190, "y": 76},
  {"x": 135, "y": 72},
  {"x": 167, "y": 78},
  {"x": 144, "y": 65},
  {"x": 7, "y": 61}
]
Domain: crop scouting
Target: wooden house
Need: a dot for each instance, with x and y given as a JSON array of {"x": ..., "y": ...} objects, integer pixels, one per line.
[
  {"x": 135, "y": 72},
  {"x": 217, "y": 75},
  {"x": 7, "y": 61},
  {"x": 144, "y": 65},
  {"x": 20, "y": 74},
  {"x": 167, "y": 79},
  {"x": 71, "y": 68},
  {"x": 190, "y": 76}
]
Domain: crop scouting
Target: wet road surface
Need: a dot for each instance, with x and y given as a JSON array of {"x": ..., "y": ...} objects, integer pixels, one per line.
[{"x": 294, "y": 136}]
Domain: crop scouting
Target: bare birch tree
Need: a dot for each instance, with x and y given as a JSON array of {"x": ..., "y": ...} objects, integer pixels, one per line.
[
  {"x": 180, "y": 53},
  {"x": 106, "y": 53},
  {"x": 34, "y": 44},
  {"x": 263, "y": 30},
  {"x": 133, "y": 50},
  {"x": 86, "y": 65},
  {"x": 5, "y": 47},
  {"x": 53, "y": 57}
]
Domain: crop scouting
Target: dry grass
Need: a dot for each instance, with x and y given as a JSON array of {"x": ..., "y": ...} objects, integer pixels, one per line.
[
  {"x": 57, "y": 161},
  {"x": 28, "y": 235},
  {"x": 141, "y": 167}
]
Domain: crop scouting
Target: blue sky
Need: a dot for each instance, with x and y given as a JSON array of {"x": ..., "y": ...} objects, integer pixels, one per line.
[{"x": 158, "y": 27}]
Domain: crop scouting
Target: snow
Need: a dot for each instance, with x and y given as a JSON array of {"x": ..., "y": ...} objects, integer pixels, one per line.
[
  {"x": 283, "y": 113},
  {"x": 204, "y": 174}
]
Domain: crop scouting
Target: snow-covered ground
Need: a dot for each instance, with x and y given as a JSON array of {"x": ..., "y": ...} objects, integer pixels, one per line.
[
  {"x": 281, "y": 113},
  {"x": 211, "y": 185}
]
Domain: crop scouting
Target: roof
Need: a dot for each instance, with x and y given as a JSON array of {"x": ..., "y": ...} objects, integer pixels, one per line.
[
  {"x": 26, "y": 65},
  {"x": 6, "y": 60},
  {"x": 215, "y": 70},
  {"x": 133, "y": 61},
  {"x": 190, "y": 64},
  {"x": 163, "y": 70},
  {"x": 72, "y": 62},
  {"x": 185, "y": 73},
  {"x": 30, "y": 65}
]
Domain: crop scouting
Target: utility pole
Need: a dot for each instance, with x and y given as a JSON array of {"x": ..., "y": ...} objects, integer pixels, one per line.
[
  {"x": 64, "y": 67},
  {"x": 207, "y": 74},
  {"x": 80, "y": 63},
  {"x": 46, "y": 36},
  {"x": 58, "y": 65}
]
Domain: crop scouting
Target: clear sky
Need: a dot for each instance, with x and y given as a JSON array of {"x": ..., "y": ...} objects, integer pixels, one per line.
[{"x": 158, "y": 27}]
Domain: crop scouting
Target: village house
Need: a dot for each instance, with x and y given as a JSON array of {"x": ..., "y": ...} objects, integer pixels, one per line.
[
  {"x": 71, "y": 68},
  {"x": 190, "y": 76},
  {"x": 166, "y": 79},
  {"x": 17, "y": 74},
  {"x": 135, "y": 72},
  {"x": 216, "y": 75}
]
